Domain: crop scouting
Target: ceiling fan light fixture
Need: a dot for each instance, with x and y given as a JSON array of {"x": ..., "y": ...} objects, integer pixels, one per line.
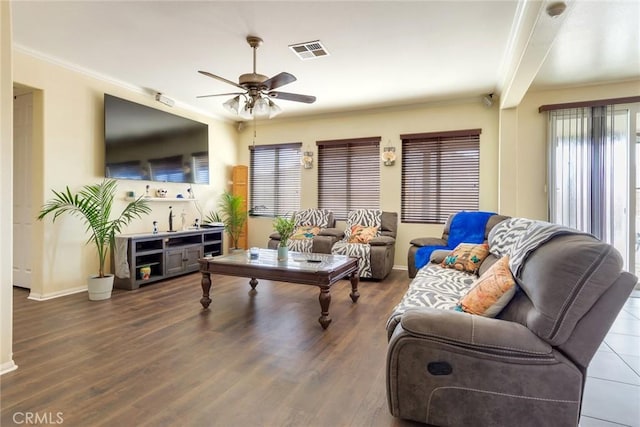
[
  {"x": 246, "y": 112},
  {"x": 261, "y": 108},
  {"x": 257, "y": 88},
  {"x": 232, "y": 105},
  {"x": 274, "y": 110}
]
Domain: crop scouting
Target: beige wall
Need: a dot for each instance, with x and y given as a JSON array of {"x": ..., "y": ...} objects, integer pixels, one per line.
[
  {"x": 523, "y": 145},
  {"x": 69, "y": 136},
  {"x": 6, "y": 192},
  {"x": 388, "y": 124},
  {"x": 69, "y": 104}
]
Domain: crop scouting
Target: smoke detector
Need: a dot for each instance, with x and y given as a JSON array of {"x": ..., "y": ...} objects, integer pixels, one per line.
[{"x": 309, "y": 50}]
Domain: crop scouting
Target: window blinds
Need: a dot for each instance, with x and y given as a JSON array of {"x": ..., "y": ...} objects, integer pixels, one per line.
[
  {"x": 275, "y": 179},
  {"x": 440, "y": 175},
  {"x": 349, "y": 175}
]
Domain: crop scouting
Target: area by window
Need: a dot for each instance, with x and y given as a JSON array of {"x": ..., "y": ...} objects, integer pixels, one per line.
[
  {"x": 349, "y": 175},
  {"x": 440, "y": 175},
  {"x": 275, "y": 179}
]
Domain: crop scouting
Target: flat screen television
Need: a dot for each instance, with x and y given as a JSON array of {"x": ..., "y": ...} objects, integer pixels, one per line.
[{"x": 145, "y": 143}]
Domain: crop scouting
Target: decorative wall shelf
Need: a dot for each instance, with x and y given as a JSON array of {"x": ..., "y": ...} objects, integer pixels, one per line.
[{"x": 162, "y": 199}]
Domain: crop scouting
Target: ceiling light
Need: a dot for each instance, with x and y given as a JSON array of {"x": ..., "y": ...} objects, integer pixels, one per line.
[
  {"x": 274, "y": 110},
  {"x": 253, "y": 107},
  {"x": 232, "y": 105},
  {"x": 261, "y": 108},
  {"x": 556, "y": 9}
]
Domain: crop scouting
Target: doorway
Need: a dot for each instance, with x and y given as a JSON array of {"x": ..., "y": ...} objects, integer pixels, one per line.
[
  {"x": 593, "y": 170},
  {"x": 22, "y": 186}
]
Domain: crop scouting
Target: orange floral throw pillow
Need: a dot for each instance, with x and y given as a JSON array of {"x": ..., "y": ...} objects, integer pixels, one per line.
[
  {"x": 305, "y": 232},
  {"x": 466, "y": 257},
  {"x": 362, "y": 234},
  {"x": 491, "y": 292}
]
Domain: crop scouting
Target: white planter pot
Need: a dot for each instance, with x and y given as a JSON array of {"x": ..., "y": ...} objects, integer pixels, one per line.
[{"x": 100, "y": 287}]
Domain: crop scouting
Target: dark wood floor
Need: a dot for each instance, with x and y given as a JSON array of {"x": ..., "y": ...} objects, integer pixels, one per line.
[{"x": 154, "y": 357}]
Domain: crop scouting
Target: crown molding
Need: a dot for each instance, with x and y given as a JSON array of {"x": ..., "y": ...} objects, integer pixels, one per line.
[{"x": 112, "y": 80}]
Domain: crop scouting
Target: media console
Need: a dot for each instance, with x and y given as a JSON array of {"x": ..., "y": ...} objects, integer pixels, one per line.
[{"x": 166, "y": 254}]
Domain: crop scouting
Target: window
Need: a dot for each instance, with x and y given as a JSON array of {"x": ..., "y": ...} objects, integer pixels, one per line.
[
  {"x": 275, "y": 179},
  {"x": 440, "y": 175},
  {"x": 349, "y": 175}
]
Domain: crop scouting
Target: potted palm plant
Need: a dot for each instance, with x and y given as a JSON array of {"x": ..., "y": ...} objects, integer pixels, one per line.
[
  {"x": 285, "y": 227},
  {"x": 93, "y": 204},
  {"x": 233, "y": 212}
]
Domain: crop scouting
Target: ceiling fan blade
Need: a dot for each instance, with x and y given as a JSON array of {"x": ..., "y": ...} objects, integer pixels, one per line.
[
  {"x": 279, "y": 80},
  {"x": 293, "y": 97},
  {"x": 222, "y": 79},
  {"x": 220, "y": 94}
]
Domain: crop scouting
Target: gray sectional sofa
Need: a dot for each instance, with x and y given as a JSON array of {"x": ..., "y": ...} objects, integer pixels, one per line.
[{"x": 525, "y": 367}]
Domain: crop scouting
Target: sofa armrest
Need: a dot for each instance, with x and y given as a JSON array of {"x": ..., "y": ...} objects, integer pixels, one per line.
[
  {"x": 382, "y": 241},
  {"x": 323, "y": 244},
  {"x": 332, "y": 232},
  {"x": 439, "y": 255},
  {"x": 491, "y": 336},
  {"x": 428, "y": 241}
]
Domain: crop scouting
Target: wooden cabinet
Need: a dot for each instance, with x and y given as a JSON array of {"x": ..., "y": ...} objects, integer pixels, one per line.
[
  {"x": 165, "y": 254},
  {"x": 240, "y": 187},
  {"x": 182, "y": 260}
]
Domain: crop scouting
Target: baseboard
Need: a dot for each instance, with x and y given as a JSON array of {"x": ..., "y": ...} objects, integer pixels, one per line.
[
  {"x": 8, "y": 367},
  {"x": 43, "y": 297},
  {"x": 400, "y": 267}
]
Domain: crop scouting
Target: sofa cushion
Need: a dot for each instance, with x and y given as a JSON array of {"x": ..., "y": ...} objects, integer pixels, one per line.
[
  {"x": 466, "y": 257},
  {"x": 305, "y": 232},
  {"x": 365, "y": 217},
  {"x": 434, "y": 287},
  {"x": 492, "y": 292},
  {"x": 362, "y": 234}
]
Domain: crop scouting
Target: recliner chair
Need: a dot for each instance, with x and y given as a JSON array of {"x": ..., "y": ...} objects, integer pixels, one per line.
[
  {"x": 320, "y": 243},
  {"x": 377, "y": 255},
  {"x": 442, "y": 241}
]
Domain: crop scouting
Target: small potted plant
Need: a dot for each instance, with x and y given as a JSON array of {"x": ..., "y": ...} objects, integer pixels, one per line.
[
  {"x": 285, "y": 227},
  {"x": 92, "y": 204}
]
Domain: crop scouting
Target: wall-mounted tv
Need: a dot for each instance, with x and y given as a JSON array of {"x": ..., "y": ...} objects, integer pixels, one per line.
[{"x": 149, "y": 144}]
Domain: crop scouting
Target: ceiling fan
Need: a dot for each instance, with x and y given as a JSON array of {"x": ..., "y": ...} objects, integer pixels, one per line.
[{"x": 257, "y": 90}]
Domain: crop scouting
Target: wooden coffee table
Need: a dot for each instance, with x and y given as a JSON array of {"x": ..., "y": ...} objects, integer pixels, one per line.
[{"x": 320, "y": 270}]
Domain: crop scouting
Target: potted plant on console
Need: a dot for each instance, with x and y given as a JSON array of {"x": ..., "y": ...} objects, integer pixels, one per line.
[
  {"x": 285, "y": 227},
  {"x": 93, "y": 204},
  {"x": 234, "y": 215}
]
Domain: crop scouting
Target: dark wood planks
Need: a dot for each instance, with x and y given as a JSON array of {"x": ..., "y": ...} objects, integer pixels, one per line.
[{"x": 154, "y": 357}]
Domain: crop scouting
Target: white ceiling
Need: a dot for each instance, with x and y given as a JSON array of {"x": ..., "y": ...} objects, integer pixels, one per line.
[{"x": 382, "y": 53}]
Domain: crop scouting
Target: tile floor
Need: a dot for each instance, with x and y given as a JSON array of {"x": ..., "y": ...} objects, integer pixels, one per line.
[{"x": 612, "y": 391}]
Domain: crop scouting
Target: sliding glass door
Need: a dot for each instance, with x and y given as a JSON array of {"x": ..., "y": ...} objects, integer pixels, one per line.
[{"x": 592, "y": 173}]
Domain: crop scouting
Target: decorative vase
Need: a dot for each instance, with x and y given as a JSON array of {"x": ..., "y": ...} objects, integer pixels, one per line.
[
  {"x": 100, "y": 287},
  {"x": 283, "y": 253}
]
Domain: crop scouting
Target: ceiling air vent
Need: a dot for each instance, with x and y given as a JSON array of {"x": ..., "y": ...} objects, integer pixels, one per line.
[{"x": 309, "y": 50}]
